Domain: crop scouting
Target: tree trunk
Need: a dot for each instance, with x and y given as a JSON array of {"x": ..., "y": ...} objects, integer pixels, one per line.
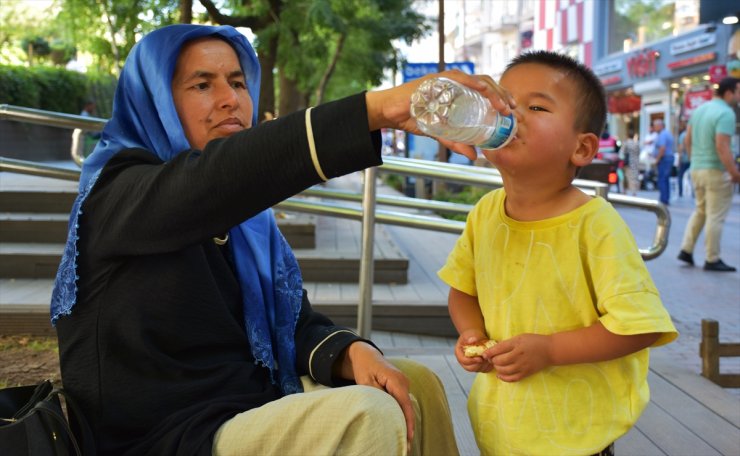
[
  {"x": 186, "y": 11},
  {"x": 330, "y": 70},
  {"x": 267, "y": 89},
  {"x": 291, "y": 99}
]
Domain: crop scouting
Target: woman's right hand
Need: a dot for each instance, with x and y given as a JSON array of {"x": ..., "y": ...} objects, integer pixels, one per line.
[{"x": 391, "y": 108}]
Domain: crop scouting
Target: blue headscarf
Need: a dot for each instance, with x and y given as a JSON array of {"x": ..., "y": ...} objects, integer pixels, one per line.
[{"x": 144, "y": 116}]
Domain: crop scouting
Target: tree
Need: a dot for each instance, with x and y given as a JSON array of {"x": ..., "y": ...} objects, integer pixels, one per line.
[
  {"x": 310, "y": 43},
  {"x": 642, "y": 21},
  {"x": 109, "y": 28},
  {"x": 314, "y": 49}
]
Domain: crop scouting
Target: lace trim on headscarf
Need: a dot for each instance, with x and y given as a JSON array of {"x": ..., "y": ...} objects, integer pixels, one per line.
[{"x": 64, "y": 294}]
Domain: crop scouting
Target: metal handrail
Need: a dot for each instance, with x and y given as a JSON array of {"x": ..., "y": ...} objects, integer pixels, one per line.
[
  {"x": 56, "y": 119},
  {"x": 50, "y": 118},
  {"x": 471, "y": 175},
  {"x": 479, "y": 176}
]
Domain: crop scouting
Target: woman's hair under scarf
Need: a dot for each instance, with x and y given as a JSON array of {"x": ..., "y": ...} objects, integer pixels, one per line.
[{"x": 144, "y": 116}]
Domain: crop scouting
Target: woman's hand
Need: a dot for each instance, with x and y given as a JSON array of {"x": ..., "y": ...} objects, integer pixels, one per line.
[
  {"x": 364, "y": 364},
  {"x": 390, "y": 108}
]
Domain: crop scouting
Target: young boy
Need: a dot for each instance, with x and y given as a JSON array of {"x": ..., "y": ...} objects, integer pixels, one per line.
[{"x": 555, "y": 277}]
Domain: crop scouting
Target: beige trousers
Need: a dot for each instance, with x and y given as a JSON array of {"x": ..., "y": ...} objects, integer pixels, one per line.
[
  {"x": 713, "y": 195},
  {"x": 351, "y": 420}
]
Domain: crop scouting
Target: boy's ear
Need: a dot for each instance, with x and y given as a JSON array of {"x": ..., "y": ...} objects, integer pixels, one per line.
[{"x": 588, "y": 146}]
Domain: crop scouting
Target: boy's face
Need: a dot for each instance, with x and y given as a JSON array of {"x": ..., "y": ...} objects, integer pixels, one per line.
[{"x": 546, "y": 137}]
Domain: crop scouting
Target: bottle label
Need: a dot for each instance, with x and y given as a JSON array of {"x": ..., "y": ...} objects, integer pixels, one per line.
[{"x": 503, "y": 133}]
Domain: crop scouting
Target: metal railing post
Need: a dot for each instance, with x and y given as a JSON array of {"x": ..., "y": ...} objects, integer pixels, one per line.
[{"x": 367, "y": 262}]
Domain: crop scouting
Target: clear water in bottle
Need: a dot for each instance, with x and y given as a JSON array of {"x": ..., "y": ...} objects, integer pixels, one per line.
[{"x": 446, "y": 109}]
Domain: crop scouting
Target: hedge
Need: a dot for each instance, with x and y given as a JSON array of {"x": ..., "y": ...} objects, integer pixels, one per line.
[{"x": 55, "y": 89}]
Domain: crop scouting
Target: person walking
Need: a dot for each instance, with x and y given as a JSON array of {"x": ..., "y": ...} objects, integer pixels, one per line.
[
  {"x": 663, "y": 159},
  {"x": 712, "y": 171},
  {"x": 684, "y": 160},
  {"x": 631, "y": 154}
]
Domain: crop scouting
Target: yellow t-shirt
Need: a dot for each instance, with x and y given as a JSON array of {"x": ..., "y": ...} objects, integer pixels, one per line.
[{"x": 548, "y": 276}]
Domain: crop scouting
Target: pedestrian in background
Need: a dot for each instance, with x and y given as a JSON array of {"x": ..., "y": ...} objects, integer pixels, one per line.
[
  {"x": 663, "y": 150},
  {"x": 631, "y": 158},
  {"x": 647, "y": 158},
  {"x": 684, "y": 159},
  {"x": 713, "y": 172}
]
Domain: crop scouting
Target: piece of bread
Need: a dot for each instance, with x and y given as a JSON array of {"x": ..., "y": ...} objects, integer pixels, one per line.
[{"x": 478, "y": 349}]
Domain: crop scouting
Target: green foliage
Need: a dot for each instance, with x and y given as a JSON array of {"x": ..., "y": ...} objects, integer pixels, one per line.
[
  {"x": 55, "y": 89},
  {"x": 35, "y": 46},
  {"x": 365, "y": 29},
  {"x": 88, "y": 21},
  {"x": 468, "y": 195},
  {"x": 17, "y": 88},
  {"x": 100, "y": 88},
  {"x": 394, "y": 181},
  {"x": 649, "y": 16},
  {"x": 59, "y": 90}
]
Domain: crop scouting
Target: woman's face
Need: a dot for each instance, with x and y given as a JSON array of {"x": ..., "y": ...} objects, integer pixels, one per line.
[{"x": 210, "y": 92}]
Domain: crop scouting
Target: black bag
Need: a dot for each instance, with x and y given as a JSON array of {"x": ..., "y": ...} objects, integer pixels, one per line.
[{"x": 32, "y": 423}]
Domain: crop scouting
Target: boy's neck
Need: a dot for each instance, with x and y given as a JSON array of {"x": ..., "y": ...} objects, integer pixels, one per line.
[{"x": 533, "y": 204}]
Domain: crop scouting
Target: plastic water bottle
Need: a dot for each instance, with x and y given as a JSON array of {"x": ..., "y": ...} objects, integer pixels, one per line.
[{"x": 447, "y": 109}]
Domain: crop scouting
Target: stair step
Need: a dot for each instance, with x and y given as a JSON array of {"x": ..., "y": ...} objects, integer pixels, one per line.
[
  {"x": 37, "y": 201},
  {"x": 24, "y": 309},
  {"x": 299, "y": 230},
  {"x": 41, "y": 260},
  {"x": 33, "y": 227}
]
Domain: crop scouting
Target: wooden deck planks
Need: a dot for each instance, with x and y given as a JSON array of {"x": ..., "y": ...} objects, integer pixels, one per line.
[{"x": 675, "y": 422}]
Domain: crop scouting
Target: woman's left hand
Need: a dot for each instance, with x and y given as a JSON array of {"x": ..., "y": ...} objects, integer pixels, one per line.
[{"x": 364, "y": 364}]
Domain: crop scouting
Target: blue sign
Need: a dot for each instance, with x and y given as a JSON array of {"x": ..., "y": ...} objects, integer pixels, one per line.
[{"x": 416, "y": 70}]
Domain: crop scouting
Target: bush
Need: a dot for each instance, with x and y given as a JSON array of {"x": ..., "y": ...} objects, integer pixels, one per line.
[
  {"x": 59, "y": 90},
  {"x": 394, "y": 181},
  {"x": 468, "y": 195},
  {"x": 17, "y": 88},
  {"x": 55, "y": 89}
]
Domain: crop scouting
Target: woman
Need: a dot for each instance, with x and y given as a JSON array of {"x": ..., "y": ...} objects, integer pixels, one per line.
[{"x": 183, "y": 327}]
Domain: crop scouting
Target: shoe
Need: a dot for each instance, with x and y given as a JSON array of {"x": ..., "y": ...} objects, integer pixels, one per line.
[
  {"x": 686, "y": 257},
  {"x": 718, "y": 265}
]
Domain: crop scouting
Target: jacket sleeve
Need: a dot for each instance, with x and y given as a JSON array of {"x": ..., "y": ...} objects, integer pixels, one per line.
[
  {"x": 201, "y": 194},
  {"x": 319, "y": 343}
]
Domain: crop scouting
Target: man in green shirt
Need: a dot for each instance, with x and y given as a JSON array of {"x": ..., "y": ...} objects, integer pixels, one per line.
[{"x": 713, "y": 172}]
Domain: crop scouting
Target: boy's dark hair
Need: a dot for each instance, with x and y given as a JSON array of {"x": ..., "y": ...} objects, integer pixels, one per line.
[
  {"x": 726, "y": 85},
  {"x": 591, "y": 101}
]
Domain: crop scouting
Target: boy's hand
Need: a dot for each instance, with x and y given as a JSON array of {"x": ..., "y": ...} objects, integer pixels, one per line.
[
  {"x": 471, "y": 364},
  {"x": 519, "y": 357}
]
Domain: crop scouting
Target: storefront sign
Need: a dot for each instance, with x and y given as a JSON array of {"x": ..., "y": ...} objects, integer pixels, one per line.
[
  {"x": 643, "y": 64},
  {"x": 693, "y": 100},
  {"x": 608, "y": 67},
  {"x": 412, "y": 71},
  {"x": 693, "y": 43},
  {"x": 702, "y": 58},
  {"x": 717, "y": 73}
]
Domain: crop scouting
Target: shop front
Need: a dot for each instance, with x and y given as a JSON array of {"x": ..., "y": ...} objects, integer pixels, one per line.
[{"x": 664, "y": 79}]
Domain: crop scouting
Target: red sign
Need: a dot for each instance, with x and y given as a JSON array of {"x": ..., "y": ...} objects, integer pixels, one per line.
[
  {"x": 708, "y": 57},
  {"x": 693, "y": 100},
  {"x": 611, "y": 80},
  {"x": 717, "y": 73},
  {"x": 642, "y": 64}
]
